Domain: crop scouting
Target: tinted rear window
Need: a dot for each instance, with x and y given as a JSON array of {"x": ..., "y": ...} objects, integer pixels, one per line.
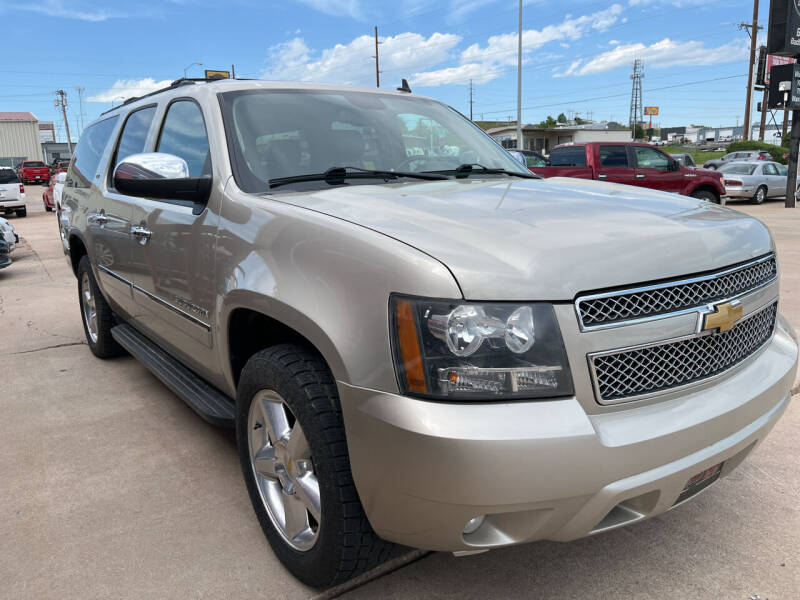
[
  {"x": 33, "y": 163},
  {"x": 614, "y": 157},
  {"x": 568, "y": 157},
  {"x": 8, "y": 176}
]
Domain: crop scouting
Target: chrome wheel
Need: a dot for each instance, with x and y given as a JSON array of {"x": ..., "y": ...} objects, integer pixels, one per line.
[
  {"x": 761, "y": 195},
  {"x": 89, "y": 308},
  {"x": 283, "y": 469}
]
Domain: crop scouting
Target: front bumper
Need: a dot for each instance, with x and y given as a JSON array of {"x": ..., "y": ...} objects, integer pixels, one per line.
[{"x": 549, "y": 470}]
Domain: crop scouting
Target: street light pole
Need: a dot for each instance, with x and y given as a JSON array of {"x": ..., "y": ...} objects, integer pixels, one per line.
[
  {"x": 190, "y": 66},
  {"x": 520, "y": 144},
  {"x": 749, "y": 102}
]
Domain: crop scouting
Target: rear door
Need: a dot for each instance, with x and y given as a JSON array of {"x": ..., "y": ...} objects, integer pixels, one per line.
[
  {"x": 615, "y": 164},
  {"x": 174, "y": 246},
  {"x": 567, "y": 161},
  {"x": 106, "y": 224},
  {"x": 653, "y": 170}
]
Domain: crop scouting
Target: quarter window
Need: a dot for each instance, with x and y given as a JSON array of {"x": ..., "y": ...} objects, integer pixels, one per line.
[
  {"x": 184, "y": 135},
  {"x": 88, "y": 153},
  {"x": 134, "y": 133},
  {"x": 614, "y": 157}
]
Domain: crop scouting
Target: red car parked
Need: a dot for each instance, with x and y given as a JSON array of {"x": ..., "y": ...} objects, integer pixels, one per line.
[
  {"x": 33, "y": 171},
  {"x": 632, "y": 163}
]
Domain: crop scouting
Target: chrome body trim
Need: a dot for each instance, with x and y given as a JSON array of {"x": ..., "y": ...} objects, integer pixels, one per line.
[
  {"x": 155, "y": 298},
  {"x": 697, "y": 382},
  {"x": 660, "y": 286}
]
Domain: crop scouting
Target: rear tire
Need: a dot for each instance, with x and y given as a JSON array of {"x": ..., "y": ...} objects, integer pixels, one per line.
[
  {"x": 287, "y": 394},
  {"x": 760, "y": 195},
  {"x": 22, "y": 212},
  {"x": 706, "y": 195},
  {"x": 96, "y": 314}
]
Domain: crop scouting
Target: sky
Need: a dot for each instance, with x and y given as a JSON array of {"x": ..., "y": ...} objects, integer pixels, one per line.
[{"x": 577, "y": 54}]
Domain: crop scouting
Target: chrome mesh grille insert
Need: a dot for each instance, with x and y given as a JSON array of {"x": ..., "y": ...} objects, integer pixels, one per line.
[
  {"x": 652, "y": 369},
  {"x": 666, "y": 298}
]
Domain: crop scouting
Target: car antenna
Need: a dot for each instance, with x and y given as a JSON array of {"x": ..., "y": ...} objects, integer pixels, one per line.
[{"x": 404, "y": 87}]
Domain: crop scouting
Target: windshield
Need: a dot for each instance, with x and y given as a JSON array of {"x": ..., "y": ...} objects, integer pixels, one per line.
[
  {"x": 275, "y": 134},
  {"x": 33, "y": 163},
  {"x": 738, "y": 169}
]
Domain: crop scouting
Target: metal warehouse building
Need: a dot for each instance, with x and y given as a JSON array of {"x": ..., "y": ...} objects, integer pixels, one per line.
[{"x": 19, "y": 138}]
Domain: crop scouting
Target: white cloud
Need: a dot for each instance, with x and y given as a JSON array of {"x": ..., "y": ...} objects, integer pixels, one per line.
[
  {"x": 79, "y": 10},
  {"x": 484, "y": 63},
  {"x": 349, "y": 8},
  {"x": 666, "y": 53},
  {"x": 126, "y": 88},
  {"x": 352, "y": 63}
]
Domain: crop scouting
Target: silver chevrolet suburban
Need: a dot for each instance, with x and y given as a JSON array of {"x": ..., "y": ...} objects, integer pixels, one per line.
[{"x": 417, "y": 341}]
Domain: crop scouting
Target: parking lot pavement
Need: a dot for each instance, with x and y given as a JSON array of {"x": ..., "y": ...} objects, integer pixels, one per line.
[{"x": 112, "y": 487}]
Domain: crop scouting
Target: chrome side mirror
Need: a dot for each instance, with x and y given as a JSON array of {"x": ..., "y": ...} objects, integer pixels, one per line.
[{"x": 161, "y": 176}]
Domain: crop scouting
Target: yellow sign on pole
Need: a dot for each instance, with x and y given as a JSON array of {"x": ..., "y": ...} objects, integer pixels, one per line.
[
  {"x": 217, "y": 74},
  {"x": 650, "y": 110}
]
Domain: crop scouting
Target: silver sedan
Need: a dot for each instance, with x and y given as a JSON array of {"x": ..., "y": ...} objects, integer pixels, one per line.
[{"x": 754, "y": 180}]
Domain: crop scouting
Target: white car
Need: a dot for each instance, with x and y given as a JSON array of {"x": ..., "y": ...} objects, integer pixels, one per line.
[
  {"x": 8, "y": 240},
  {"x": 12, "y": 193}
]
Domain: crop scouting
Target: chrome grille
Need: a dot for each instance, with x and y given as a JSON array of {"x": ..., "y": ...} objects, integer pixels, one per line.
[
  {"x": 650, "y": 369},
  {"x": 658, "y": 299}
]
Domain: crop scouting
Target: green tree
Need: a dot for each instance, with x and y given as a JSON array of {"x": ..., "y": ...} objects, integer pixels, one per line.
[
  {"x": 548, "y": 123},
  {"x": 638, "y": 132},
  {"x": 562, "y": 118}
]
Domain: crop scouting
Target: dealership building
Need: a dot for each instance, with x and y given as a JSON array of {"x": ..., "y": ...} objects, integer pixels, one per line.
[
  {"x": 19, "y": 138},
  {"x": 542, "y": 139}
]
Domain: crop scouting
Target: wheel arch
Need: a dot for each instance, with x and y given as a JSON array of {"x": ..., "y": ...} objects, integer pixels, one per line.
[
  {"x": 705, "y": 187},
  {"x": 250, "y": 323},
  {"x": 77, "y": 249}
]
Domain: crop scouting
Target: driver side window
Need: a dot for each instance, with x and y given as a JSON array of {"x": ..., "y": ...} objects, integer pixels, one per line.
[{"x": 650, "y": 158}]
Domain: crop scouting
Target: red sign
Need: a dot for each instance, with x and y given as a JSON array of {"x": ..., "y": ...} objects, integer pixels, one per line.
[
  {"x": 650, "y": 110},
  {"x": 774, "y": 61}
]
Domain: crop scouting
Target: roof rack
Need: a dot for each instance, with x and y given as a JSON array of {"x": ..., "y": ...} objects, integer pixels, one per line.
[{"x": 175, "y": 84}]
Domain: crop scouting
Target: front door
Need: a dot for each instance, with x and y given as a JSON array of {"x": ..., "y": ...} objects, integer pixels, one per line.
[
  {"x": 174, "y": 242},
  {"x": 615, "y": 165},
  {"x": 653, "y": 170}
]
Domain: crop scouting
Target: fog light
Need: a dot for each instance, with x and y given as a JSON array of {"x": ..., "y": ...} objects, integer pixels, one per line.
[{"x": 473, "y": 524}]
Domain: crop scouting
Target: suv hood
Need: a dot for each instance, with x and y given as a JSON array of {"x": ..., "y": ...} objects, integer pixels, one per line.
[{"x": 548, "y": 239}]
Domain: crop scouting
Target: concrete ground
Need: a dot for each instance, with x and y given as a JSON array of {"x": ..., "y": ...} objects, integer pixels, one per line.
[{"x": 113, "y": 488}]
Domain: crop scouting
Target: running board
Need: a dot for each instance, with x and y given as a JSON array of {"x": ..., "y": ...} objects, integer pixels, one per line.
[{"x": 207, "y": 401}]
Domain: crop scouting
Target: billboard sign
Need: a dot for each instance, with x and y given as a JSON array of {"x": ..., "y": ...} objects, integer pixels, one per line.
[
  {"x": 217, "y": 74},
  {"x": 774, "y": 61},
  {"x": 783, "y": 34},
  {"x": 650, "y": 111}
]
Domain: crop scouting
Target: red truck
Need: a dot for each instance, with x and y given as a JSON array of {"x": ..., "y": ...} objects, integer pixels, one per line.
[
  {"x": 632, "y": 163},
  {"x": 33, "y": 171}
]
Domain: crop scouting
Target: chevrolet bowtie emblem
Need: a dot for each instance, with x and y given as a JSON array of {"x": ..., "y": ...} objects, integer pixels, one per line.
[{"x": 723, "y": 318}]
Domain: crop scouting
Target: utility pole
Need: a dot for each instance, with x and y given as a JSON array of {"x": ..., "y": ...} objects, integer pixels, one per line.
[
  {"x": 752, "y": 31},
  {"x": 520, "y": 143},
  {"x": 233, "y": 72},
  {"x": 62, "y": 102},
  {"x": 377, "y": 66},
  {"x": 80, "y": 89},
  {"x": 470, "y": 99}
]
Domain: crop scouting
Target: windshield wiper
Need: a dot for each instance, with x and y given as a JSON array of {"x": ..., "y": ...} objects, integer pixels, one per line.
[
  {"x": 337, "y": 176},
  {"x": 468, "y": 169}
]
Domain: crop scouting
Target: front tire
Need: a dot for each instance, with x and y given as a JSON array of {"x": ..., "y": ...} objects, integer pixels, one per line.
[
  {"x": 294, "y": 458},
  {"x": 97, "y": 317},
  {"x": 760, "y": 195},
  {"x": 706, "y": 195}
]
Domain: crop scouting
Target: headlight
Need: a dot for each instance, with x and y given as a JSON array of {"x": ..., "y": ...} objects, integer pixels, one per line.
[{"x": 478, "y": 351}]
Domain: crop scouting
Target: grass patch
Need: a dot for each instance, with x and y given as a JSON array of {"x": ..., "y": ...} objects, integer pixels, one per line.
[{"x": 699, "y": 157}]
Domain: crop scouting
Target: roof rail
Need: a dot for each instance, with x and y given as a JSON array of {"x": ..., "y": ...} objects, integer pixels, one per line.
[{"x": 177, "y": 83}]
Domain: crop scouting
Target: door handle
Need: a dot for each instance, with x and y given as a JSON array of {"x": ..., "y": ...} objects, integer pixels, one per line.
[
  {"x": 639, "y": 176},
  {"x": 97, "y": 219},
  {"x": 602, "y": 176},
  {"x": 143, "y": 233}
]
